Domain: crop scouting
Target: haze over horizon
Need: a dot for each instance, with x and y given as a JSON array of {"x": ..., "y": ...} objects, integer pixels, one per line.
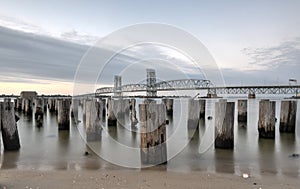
[{"x": 42, "y": 43}]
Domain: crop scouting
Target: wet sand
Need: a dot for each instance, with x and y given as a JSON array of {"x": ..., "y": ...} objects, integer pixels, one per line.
[{"x": 138, "y": 179}]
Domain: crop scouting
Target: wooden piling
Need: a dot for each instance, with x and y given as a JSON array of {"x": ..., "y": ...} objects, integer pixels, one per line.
[
  {"x": 133, "y": 118},
  {"x": 242, "y": 110},
  {"x": 288, "y": 116},
  {"x": 224, "y": 122},
  {"x": 202, "y": 108},
  {"x": 28, "y": 107},
  {"x": 93, "y": 116},
  {"x": 63, "y": 114},
  {"x": 39, "y": 109},
  {"x": 169, "y": 105},
  {"x": 153, "y": 133},
  {"x": 75, "y": 105},
  {"x": 111, "y": 117},
  {"x": 51, "y": 104},
  {"x": 266, "y": 122},
  {"x": 9, "y": 128},
  {"x": 193, "y": 113},
  {"x": 102, "y": 107}
]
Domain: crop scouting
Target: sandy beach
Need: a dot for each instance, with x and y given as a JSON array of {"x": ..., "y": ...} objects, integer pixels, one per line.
[{"x": 138, "y": 179}]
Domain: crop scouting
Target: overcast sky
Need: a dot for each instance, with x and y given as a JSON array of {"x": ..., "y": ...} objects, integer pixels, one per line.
[{"x": 42, "y": 42}]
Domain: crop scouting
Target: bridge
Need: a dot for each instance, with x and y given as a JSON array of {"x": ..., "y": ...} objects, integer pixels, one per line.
[{"x": 151, "y": 87}]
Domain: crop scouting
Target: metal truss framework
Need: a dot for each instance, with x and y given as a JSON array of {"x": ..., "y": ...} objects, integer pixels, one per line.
[
  {"x": 281, "y": 89},
  {"x": 180, "y": 84},
  {"x": 199, "y": 84}
]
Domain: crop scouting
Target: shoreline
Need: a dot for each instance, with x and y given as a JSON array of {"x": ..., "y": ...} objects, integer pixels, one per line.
[{"x": 13, "y": 178}]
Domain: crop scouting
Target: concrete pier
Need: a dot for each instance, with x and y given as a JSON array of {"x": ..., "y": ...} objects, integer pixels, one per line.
[
  {"x": 224, "y": 124},
  {"x": 288, "y": 116},
  {"x": 266, "y": 122},
  {"x": 133, "y": 118},
  {"x": 9, "y": 128},
  {"x": 153, "y": 133},
  {"x": 63, "y": 114},
  {"x": 169, "y": 105},
  {"x": 93, "y": 117},
  {"x": 242, "y": 110}
]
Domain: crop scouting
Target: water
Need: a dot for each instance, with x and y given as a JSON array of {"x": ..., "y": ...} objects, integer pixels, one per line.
[{"x": 46, "y": 148}]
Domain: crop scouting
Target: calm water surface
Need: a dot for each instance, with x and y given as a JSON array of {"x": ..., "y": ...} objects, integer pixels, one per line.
[{"x": 46, "y": 148}]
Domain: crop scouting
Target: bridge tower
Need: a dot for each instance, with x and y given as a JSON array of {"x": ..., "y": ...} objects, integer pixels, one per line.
[
  {"x": 151, "y": 81},
  {"x": 117, "y": 86}
]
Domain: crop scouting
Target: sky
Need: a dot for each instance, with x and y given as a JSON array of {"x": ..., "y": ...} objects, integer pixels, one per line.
[{"x": 43, "y": 42}]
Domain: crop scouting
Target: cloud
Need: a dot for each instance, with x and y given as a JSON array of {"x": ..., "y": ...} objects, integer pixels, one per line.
[
  {"x": 286, "y": 53},
  {"x": 70, "y": 36}
]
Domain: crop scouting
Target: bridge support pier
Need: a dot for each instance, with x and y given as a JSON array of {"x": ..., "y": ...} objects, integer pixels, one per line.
[
  {"x": 266, "y": 122},
  {"x": 151, "y": 81},
  {"x": 9, "y": 129},
  {"x": 288, "y": 116},
  {"x": 224, "y": 122},
  {"x": 117, "y": 86},
  {"x": 153, "y": 133},
  {"x": 63, "y": 114},
  {"x": 242, "y": 110}
]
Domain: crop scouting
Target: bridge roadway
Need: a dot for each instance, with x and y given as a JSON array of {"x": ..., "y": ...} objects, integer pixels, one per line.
[{"x": 196, "y": 84}]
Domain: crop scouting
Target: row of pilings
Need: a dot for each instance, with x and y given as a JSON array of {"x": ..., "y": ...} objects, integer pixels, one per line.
[{"x": 152, "y": 119}]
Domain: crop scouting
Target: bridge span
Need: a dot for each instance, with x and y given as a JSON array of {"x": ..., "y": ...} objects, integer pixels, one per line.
[{"x": 151, "y": 87}]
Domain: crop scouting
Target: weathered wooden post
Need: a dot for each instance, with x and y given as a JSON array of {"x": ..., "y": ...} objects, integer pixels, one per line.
[
  {"x": 51, "y": 104},
  {"x": 23, "y": 104},
  {"x": 102, "y": 107},
  {"x": 111, "y": 116},
  {"x": 75, "y": 105},
  {"x": 288, "y": 116},
  {"x": 169, "y": 105},
  {"x": 224, "y": 122},
  {"x": 93, "y": 125},
  {"x": 202, "y": 108},
  {"x": 133, "y": 118},
  {"x": 19, "y": 104},
  {"x": 28, "y": 108},
  {"x": 153, "y": 133},
  {"x": 45, "y": 100},
  {"x": 9, "y": 128},
  {"x": 193, "y": 113},
  {"x": 63, "y": 116},
  {"x": 39, "y": 111},
  {"x": 266, "y": 121},
  {"x": 242, "y": 110}
]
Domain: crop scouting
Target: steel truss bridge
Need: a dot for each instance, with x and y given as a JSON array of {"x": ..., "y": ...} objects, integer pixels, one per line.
[
  {"x": 198, "y": 84},
  {"x": 180, "y": 84},
  {"x": 280, "y": 89}
]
